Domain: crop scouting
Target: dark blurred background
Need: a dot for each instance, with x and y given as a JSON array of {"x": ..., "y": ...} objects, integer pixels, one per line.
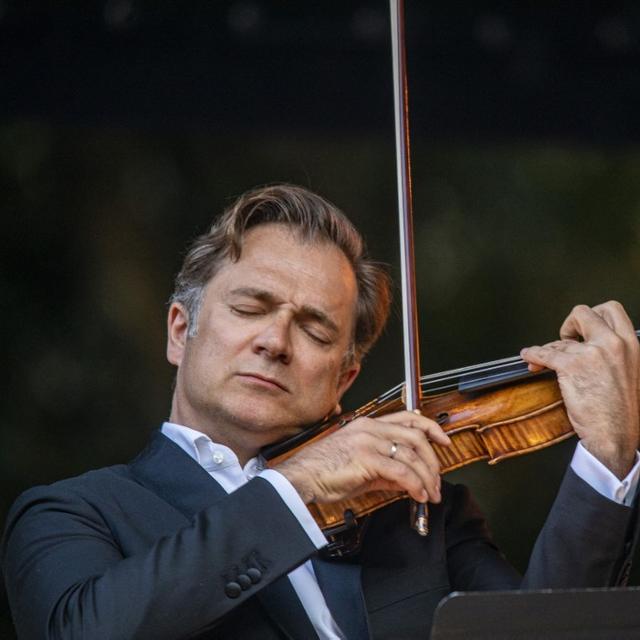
[{"x": 126, "y": 125}]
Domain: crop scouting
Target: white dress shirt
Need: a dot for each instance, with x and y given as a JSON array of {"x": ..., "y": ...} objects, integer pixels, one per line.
[{"x": 223, "y": 465}]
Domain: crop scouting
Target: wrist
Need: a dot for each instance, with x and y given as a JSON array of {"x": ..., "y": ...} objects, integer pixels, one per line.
[
  {"x": 618, "y": 458},
  {"x": 298, "y": 480}
]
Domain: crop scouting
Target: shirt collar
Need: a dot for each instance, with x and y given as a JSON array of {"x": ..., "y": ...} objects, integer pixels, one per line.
[{"x": 208, "y": 454}]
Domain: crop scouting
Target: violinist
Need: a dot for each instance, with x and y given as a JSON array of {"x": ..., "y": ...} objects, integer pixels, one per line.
[{"x": 273, "y": 310}]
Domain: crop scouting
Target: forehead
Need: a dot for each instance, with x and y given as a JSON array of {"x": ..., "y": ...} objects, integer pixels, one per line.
[{"x": 276, "y": 259}]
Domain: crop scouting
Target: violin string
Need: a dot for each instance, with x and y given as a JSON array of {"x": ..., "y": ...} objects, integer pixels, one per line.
[
  {"x": 490, "y": 366},
  {"x": 453, "y": 376},
  {"x": 486, "y": 367},
  {"x": 495, "y": 366},
  {"x": 479, "y": 373},
  {"x": 448, "y": 380}
]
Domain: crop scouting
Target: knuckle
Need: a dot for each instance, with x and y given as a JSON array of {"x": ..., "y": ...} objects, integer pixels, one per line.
[
  {"x": 402, "y": 471},
  {"x": 414, "y": 437},
  {"x": 411, "y": 420},
  {"x": 590, "y": 348},
  {"x": 360, "y": 440},
  {"x": 433, "y": 426},
  {"x": 410, "y": 455},
  {"x": 591, "y": 353},
  {"x": 540, "y": 351},
  {"x": 614, "y": 343},
  {"x": 414, "y": 483}
]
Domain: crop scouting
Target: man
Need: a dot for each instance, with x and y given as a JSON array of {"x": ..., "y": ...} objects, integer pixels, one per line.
[{"x": 272, "y": 313}]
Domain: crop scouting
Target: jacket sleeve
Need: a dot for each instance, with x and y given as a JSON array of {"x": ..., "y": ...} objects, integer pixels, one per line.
[
  {"x": 587, "y": 541},
  {"x": 68, "y": 579}
]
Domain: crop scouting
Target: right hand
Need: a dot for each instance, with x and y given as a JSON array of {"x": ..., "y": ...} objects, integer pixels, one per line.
[{"x": 357, "y": 459}]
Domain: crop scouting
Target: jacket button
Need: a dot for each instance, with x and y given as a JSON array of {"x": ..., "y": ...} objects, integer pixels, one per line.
[
  {"x": 244, "y": 581},
  {"x": 233, "y": 589},
  {"x": 255, "y": 575}
]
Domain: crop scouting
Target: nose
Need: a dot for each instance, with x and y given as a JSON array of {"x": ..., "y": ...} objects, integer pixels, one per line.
[{"x": 274, "y": 340}]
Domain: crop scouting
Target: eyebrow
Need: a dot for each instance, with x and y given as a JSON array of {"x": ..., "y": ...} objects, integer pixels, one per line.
[{"x": 306, "y": 310}]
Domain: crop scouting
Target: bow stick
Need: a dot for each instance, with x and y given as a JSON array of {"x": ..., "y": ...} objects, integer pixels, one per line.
[{"x": 405, "y": 216}]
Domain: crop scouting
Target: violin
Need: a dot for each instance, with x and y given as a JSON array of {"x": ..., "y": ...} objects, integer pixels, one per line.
[{"x": 491, "y": 411}]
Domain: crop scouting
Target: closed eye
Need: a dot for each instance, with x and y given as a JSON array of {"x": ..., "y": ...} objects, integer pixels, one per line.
[
  {"x": 247, "y": 310},
  {"x": 316, "y": 335}
]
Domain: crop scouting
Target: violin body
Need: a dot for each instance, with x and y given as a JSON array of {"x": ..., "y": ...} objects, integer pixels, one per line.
[{"x": 489, "y": 424}]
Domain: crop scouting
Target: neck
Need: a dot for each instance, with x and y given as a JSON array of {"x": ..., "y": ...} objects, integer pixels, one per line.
[{"x": 238, "y": 440}]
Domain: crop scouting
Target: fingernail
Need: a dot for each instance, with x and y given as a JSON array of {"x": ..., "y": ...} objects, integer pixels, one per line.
[{"x": 424, "y": 495}]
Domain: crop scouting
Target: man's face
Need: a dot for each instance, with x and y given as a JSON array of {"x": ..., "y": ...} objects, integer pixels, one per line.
[{"x": 273, "y": 331}]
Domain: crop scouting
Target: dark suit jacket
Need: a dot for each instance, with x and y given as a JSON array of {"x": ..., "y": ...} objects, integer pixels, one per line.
[{"x": 149, "y": 550}]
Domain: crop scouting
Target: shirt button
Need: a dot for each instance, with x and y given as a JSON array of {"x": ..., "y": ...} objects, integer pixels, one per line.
[{"x": 218, "y": 457}]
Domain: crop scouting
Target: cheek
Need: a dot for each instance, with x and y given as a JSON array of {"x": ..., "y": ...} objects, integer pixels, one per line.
[
  {"x": 325, "y": 378},
  {"x": 213, "y": 341},
  {"x": 202, "y": 356},
  {"x": 227, "y": 337}
]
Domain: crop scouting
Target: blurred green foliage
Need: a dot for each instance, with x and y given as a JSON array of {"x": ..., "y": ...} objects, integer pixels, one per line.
[{"x": 95, "y": 220}]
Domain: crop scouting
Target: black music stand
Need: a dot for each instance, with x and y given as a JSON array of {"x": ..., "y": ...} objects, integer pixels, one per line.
[{"x": 576, "y": 614}]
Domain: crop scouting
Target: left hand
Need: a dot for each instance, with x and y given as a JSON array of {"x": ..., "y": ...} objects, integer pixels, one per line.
[{"x": 597, "y": 361}]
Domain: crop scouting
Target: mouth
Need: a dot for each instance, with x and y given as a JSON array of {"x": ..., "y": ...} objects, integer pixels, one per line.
[{"x": 263, "y": 381}]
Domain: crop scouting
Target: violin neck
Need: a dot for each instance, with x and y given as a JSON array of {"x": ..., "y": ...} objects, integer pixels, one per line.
[
  {"x": 510, "y": 373},
  {"x": 475, "y": 378},
  {"x": 492, "y": 374}
]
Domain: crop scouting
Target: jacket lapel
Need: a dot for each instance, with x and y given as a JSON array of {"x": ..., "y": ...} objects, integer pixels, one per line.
[{"x": 164, "y": 468}]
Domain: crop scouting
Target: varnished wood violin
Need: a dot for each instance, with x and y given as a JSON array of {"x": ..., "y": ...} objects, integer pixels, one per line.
[{"x": 492, "y": 411}]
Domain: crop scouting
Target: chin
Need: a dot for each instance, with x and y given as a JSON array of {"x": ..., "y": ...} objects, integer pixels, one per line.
[
  {"x": 257, "y": 420},
  {"x": 265, "y": 421}
]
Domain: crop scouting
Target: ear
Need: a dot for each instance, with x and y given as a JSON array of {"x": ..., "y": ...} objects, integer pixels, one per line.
[
  {"x": 345, "y": 381},
  {"x": 177, "y": 329}
]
